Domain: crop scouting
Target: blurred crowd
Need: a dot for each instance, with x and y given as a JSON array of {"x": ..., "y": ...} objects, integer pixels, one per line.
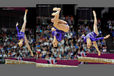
[
  {"x": 110, "y": 26},
  {"x": 9, "y": 40},
  {"x": 71, "y": 46}
]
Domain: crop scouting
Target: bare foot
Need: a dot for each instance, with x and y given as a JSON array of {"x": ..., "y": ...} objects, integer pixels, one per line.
[
  {"x": 94, "y": 13},
  {"x": 32, "y": 54},
  {"x": 99, "y": 53},
  {"x": 26, "y": 10},
  {"x": 56, "y": 9}
]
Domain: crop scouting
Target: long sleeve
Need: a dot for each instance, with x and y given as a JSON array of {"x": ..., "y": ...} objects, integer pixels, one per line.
[
  {"x": 17, "y": 29},
  {"x": 100, "y": 38}
]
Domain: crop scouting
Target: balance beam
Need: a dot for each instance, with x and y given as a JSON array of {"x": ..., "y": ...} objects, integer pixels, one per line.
[
  {"x": 96, "y": 60},
  {"x": 9, "y": 61},
  {"x": 52, "y": 65}
]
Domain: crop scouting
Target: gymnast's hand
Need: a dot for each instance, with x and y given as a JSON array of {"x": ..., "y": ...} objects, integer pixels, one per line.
[
  {"x": 17, "y": 24},
  {"x": 56, "y": 9},
  {"x": 53, "y": 29},
  {"x": 82, "y": 35},
  {"x": 107, "y": 36},
  {"x": 55, "y": 42}
]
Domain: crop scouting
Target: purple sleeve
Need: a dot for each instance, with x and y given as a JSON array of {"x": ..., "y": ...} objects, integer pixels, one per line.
[
  {"x": 17, "y": 29},
  {"x": 84, "y": 38},
  {"x": 54, "y": 33},
  {"x": 100, "y": 38}
]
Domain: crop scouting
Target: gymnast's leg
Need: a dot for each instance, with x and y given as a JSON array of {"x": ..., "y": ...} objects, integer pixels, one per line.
[
  {"x": 95, "y": 24},
  {"x": 96, "y": 46},
  {"x": 59, "y": 24},
  {"x": 28, "y": 46},
  {"x": 63, "y": 27},
  {"x": 24, "y": 23},
  {"x": 20, "y": 43}
]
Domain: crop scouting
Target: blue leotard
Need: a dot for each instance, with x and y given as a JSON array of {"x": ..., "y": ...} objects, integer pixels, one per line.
[
  {"x": 92, "y": 36},
  {"x": 59, "y": 34},
  {"x": 20, "y": 35}
]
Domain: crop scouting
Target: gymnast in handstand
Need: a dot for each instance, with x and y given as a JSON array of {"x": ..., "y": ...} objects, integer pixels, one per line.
[
  {"x": 21, "y": 35},
  {"x": 91, "y": 39},
  {"x": 60, "y": 27}
]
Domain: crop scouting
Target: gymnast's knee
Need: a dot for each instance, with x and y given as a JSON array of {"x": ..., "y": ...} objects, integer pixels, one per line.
[
  {"x": 67, "y": 29},
  {"x": 97, "y": 33}
]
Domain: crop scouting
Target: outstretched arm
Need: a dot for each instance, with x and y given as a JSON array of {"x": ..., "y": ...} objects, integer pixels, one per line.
[
  {"x": 95, "y": 45},
  {"x": 101, "y": 38},
  {"x": 28, "y": 46},
  {"x": 17, "y": 27}
]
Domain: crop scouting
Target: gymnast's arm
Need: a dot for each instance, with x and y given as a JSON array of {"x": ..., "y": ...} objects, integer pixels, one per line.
[
  {"x": 100, "y": 38},
  {"x": 17, "y": 28}
]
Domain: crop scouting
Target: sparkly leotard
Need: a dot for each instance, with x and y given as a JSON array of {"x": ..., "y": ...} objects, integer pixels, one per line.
[
  {"x": 59, "y": 34},
  {"x": 92, "y": 36},
  {"x": 20, "y": 35}
]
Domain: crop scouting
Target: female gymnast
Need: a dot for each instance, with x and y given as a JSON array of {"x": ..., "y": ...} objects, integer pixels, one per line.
[
  {"x": 91, "y": 39},
  {"x": 21, "y": 34},
  {"x": 60, "y": 27}
]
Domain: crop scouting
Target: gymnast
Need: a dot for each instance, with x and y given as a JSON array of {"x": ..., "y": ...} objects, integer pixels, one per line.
[
  {"x": 60, "y": 27},
  {"x": 21, "y": 34},
  {"x": 91, "y": 39}
]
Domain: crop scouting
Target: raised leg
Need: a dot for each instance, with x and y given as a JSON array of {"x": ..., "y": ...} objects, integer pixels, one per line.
[
  {"x": 24, "y": 23},
  {"x": 95, "y": 24},
  {"x": 59, "y": 24},
  {"x": 63, "y": 27}
]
